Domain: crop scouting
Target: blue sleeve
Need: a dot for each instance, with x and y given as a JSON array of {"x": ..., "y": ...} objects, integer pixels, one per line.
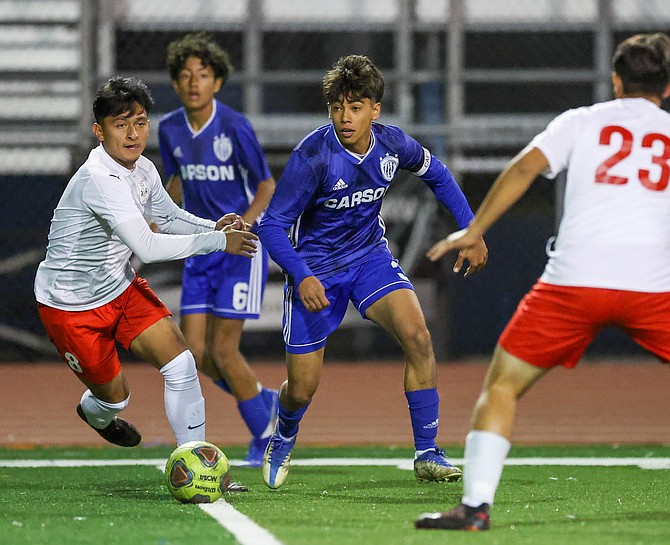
[
  {"x": 431, "y": 170},
  {"x": 442, "y": 183},
  {"x": 251, "y": 155},
  {"x": 170, "y": 166},
  {"x": 274, "y": 237},
  {"x": 295, "y": 189}
]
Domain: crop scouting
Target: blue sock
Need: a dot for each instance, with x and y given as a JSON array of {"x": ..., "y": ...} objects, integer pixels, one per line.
[
  {"x": 255, "y": 414},
  {"x": 270, "y": 397},
  {"x": 289, "y": 421},
  {"x": 221, "y": 383},
  {"x": 424, "y": 413}
]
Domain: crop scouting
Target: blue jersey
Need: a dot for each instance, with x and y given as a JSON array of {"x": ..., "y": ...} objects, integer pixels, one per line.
[
  {"x": 220, "y": 165},
  {"x": 330, "y": 200}
]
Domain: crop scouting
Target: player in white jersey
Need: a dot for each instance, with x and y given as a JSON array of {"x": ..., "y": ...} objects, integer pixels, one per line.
[
  {"x": 609, "y": 266},
  {"x": 88, "y": 295}
]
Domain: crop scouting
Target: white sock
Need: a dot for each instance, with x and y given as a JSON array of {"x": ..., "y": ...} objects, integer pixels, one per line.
[
  {"x": 100, "y": 413},
  {"x": 184, "y": 404},
  {"x": 485, "y": 454}
]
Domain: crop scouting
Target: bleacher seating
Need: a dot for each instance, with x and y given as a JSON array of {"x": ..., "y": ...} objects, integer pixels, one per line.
[{"x": 40, "y": 85}]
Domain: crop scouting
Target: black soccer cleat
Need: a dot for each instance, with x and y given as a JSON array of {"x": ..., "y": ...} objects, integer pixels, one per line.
[
  {"x": 461, "y": 517},
  {"x": 118, "y": 431}
]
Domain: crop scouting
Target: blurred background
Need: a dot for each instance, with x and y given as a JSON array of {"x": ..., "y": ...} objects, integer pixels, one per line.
[{"x": 473, "y": 80}]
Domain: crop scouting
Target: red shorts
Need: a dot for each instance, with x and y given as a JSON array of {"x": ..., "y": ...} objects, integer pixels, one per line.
[
  {"x": 553, "y": 325},
  {"x": 86, "y": 339}
]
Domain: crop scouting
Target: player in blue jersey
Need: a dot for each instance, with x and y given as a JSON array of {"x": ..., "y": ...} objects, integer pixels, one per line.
[
  {"x": 214, "y": 162},
  {"x": 329, "y": 198}
]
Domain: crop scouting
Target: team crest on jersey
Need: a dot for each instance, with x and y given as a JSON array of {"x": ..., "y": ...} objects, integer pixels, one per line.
[
  {"x": 144, "y": 191},
  {"x": 223, "y": 147},
  {"x": 388, "y": 165}
]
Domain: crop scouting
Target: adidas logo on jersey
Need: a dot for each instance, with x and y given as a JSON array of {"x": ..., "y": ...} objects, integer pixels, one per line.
[
  {"x": 177, "y": 152},
  {"x": 341, "y": 184}
]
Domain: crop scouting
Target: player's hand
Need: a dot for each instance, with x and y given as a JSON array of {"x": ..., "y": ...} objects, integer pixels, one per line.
[
  {"x": 471, "y": 247},
  {"x": 232, "y": 220},
  {"x": 313, "y": 294},
  {"x": 240, "y": 242}
]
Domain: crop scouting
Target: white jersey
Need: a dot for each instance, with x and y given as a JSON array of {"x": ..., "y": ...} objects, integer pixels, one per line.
[
  {"x": 87, "y": 264},
  {"x": 615, "y": 230}
]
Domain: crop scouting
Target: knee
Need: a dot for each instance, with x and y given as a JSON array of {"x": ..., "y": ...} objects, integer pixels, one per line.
[
  {"x": 418, "y": 341},
  {"x": 301, "y": 394},
  {"x": 224, "y": 353},
  {"x": 497, "y": 394}
]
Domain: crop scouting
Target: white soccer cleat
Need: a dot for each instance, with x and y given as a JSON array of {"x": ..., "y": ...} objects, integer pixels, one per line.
[{"x": 277, "y": 460}]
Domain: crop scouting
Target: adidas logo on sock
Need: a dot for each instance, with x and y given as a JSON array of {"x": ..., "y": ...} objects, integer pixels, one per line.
[
  {"x": 341, "y": 184},
  {"x": 432, "y": 425}
]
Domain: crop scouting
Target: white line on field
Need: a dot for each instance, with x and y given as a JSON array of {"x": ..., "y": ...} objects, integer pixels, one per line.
[
  {"x": 245, "y": 530},
  {"x": 400, "y": 463}
]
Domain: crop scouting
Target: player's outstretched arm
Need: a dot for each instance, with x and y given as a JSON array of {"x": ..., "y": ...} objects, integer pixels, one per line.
[
  {"x": 313, "y": 294},
  {"x": 508, "y": 188}
]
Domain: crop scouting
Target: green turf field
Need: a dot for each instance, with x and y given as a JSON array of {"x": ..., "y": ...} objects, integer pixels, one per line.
[{"x": 110, "y": 495}]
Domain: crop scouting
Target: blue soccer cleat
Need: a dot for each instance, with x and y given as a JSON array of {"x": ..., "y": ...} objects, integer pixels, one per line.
[
  {"x": 276, "y": 460},
  {"x": 433, "y": 465}
]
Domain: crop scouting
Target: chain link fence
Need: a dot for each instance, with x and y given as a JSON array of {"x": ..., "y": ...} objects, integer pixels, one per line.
[{"x": 473, "y": 80}]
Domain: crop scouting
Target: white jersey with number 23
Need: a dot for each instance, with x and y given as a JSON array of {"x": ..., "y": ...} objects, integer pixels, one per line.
[{"x": 615, "y": 229}]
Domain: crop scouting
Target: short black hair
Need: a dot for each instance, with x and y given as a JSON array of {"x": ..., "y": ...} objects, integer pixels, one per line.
[
  {"x": 353, "y": 77},
  {"x": 643, "y": 63},
  {"x": 120, "y": 95},
  {"x": 203, "y": 46}
]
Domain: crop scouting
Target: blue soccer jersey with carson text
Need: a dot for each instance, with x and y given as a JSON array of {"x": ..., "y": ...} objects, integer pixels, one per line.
[
  {"x": 330, "y": 200},
  {"x": 220, "y": 165}
]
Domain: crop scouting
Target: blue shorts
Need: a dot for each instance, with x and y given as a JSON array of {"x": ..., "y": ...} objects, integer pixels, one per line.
[
  {"x": 362, "y": 284},
  {"x": 224, "y": 285}
]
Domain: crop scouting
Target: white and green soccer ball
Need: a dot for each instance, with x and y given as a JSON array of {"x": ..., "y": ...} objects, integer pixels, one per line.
[{"x": 197, "y": 472}]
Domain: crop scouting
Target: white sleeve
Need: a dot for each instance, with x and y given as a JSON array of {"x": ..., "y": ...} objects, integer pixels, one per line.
[
  {"x": 557, "y": 141},
  {"x": 172, "y": 219},
  {"x": 182, "y": 222},
  {"x": 152, "y": 247}
]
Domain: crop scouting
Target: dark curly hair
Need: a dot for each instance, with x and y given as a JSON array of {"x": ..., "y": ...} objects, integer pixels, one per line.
[
  {"x": 643, "y": 62},
  {"x": 203, "y": 46},
  {"x": 120, "y": 95},
  {"x": 353, "y": 77}
]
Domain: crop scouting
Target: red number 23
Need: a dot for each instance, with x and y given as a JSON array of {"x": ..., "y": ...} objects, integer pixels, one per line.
[{"x": 648, "y": 140}]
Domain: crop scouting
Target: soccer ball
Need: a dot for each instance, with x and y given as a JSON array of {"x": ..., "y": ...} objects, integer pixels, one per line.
[{"x": 197, "y": 472}]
